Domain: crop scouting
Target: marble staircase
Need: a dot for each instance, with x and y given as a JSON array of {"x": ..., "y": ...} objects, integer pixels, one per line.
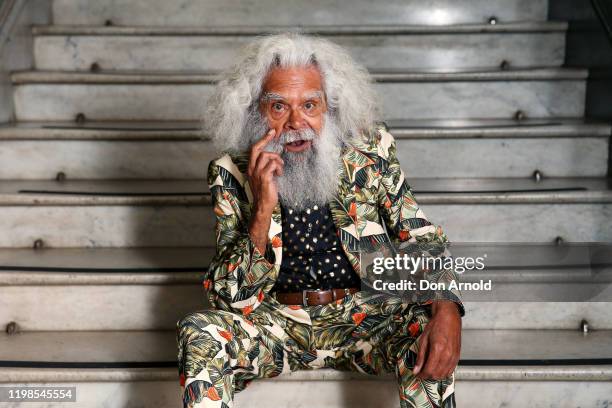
[{"x": 106, "y": 225}]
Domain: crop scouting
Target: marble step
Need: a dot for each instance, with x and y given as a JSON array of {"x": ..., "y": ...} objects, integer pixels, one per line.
[
  {"x": 41, "y": 287},
  {"x": 517, "y": 368},
  {"x": 137, "y": 213},
  {"x": 403, "y": 128},
  {"x": 209, "y": 13},
  {"x": 175, "y": 150},
  {"x": 525, "y": 44},
  {"x": 545, "y": 92},
  {"x": 505, "y": 263}
]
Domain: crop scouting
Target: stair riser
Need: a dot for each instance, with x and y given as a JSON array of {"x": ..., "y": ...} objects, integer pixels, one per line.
[
  {"x": 338, "y": 394},
  {"x": 107, "y": 307},
  {"x": 211, "y": 53},
  {"x": 138, "y": 226},
  {"x": 476, "y": 394},
  {"x": 425, "y": 100},
  {"x": 153, "y": 394},
  {"x": 157, "y": 307},
  {"x": 504, "y": 157},
  {"x": 355, "y": 394},
  {"x": 270, "y": 12},
  {"x": 107, "y": 226},
  {"x": 523, "y": 223}
]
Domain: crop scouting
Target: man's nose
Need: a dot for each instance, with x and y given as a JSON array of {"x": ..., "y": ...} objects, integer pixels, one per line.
[{"x": 295, "y": 121}]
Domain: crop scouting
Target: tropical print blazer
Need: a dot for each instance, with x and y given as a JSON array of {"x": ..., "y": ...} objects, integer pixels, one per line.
[{"x": 372, "y": 189}]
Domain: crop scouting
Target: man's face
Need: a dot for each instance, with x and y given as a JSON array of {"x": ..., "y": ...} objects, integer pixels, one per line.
[{"x": 293, "y": 100}]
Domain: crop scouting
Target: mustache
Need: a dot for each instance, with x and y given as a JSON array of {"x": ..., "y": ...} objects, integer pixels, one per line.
[
  {"x": 288, "y": 136},
  {"x": 293, "y": 135}
]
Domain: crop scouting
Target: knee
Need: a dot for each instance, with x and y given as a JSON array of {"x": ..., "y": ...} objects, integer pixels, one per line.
[{"x": 196, "y": 322}]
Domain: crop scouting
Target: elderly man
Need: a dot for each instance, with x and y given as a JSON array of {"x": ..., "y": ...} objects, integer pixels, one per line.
[{"x": 307, "y": 175}]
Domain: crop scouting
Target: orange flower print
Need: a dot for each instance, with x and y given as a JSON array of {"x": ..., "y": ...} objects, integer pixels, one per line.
[
  {"x": 247, "y": 310},
  {"x": 352, "y": 210},
  {"x": 207, "y": 283},
  {"x": 212, "y": 394},
  {"x": 358, "y": 317},
  {"x": 276, "y": 242},
  {"x": 295, "y": 307},
  {"x": 260, "y": 296},
  {"x": 414, "y": 329},
  {"x": 219, "y": 211},
  {"x": 409, "y": 201},
  {"x": 225, "y": 334},
  {"x": 387, "y": 203},
  {"x": 404, "y": 235}
]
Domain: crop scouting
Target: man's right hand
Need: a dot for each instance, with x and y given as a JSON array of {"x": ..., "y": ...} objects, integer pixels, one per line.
[{"x": 263, "y": 167}]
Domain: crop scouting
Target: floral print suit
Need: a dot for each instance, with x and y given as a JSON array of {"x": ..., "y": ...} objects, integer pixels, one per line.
[{"x": 248, "y": 334}]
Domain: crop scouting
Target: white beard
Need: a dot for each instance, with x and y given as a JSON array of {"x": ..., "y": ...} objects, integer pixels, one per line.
[{"x": 309, "y": 177}]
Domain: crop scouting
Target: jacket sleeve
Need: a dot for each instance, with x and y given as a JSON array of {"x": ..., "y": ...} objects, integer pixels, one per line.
[
  {"x": 405, "y": 220},
  {"x": 239, "y": 275}
]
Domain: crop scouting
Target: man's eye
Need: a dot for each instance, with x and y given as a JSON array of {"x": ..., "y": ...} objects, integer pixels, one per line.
[
  {"x": 277, "y": 107},
  {"x": 309, "y": 105}
]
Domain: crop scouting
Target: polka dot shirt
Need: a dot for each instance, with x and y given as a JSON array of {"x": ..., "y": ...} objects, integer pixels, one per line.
[{"x": 313, "y": 257}]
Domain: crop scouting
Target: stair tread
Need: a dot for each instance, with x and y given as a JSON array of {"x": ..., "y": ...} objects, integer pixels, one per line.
[
  {"x": 195, "y": 191},
  {"x": 132, "y": 77},
  {"x": 158, "y": 348},
  {"x": 587, "y": 372},
  {"x": 170, "y": 260},
  {"x": 512, "y": 27},
  {"x": 191, "y": 130}
]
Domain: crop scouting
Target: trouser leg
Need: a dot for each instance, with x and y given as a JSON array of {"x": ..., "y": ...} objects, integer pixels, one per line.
[
  {"x": 374, "y": 337},
  {"x": 220, "y": 352},
  {"x": 402, "y": 348}
]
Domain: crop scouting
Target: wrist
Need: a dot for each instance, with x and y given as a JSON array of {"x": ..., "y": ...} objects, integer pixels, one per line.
[
  {"x": 444, "y": 306},
  {"x": 259, "y": 226},
  {"x": 262, "y": 211}
]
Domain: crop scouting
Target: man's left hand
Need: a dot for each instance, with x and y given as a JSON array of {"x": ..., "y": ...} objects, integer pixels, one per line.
[{"x": 440, "y": 342}]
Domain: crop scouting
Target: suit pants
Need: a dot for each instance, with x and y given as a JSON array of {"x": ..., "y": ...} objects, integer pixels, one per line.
[{"x": 221, "y": 352}]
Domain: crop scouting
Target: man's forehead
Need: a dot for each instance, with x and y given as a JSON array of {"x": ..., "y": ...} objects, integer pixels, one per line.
[
  {"x": 285, "y": 79},
  {"x": 281, "y": 96}
]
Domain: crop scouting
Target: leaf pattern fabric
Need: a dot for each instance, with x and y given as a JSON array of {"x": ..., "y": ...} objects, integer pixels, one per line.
[
  {"x": 374, "y": 204},
  {"x": 221, "y": 352},
  {"x": 250, "y": 335}
]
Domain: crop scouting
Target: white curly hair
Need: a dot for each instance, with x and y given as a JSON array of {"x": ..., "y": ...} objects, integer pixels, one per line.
[{"x": 352, "y": 102}]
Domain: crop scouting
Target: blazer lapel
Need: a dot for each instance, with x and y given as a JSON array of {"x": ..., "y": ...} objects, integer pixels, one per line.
[
  {"x": 344, "y": 209},
  {"x": 275, "y": 234}
]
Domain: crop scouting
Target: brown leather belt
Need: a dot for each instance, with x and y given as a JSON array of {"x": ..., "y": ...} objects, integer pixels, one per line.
[{"x": 314, "y": 297}]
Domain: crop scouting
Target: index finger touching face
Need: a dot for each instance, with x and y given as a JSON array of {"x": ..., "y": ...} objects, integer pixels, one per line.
[
  {"x": 265, "y": 139},
  {"x": 257, "y": 148}
]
